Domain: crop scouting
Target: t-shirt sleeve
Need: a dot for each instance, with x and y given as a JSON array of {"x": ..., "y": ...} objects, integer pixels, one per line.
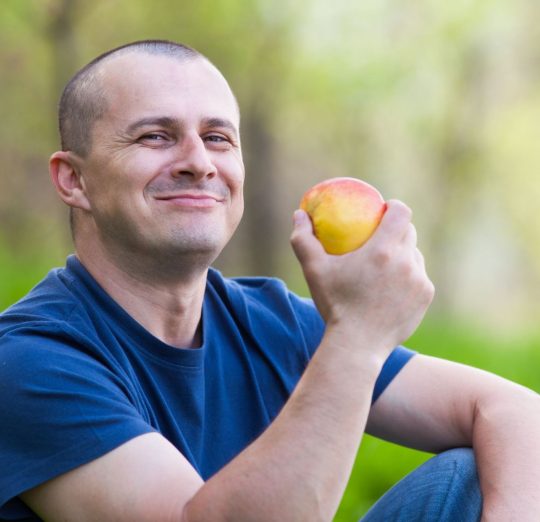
[
  {"x": 399, "y": 357},
  {"x": 313, "y": 326},
  {"x": 60, "y": 408}
]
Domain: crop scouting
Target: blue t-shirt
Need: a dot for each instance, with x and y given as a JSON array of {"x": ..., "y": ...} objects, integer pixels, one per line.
[{"x": 79, "y": 376}]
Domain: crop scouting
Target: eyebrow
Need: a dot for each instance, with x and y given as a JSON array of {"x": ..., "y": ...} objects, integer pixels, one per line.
[
  {"x": 161, "y": 121},
  {"x": 171, "y": 123},
  {"x": 222, "y": 123}
]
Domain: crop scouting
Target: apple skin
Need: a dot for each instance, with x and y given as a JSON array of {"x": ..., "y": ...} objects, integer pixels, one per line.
[{"x": 344, "y": 211}]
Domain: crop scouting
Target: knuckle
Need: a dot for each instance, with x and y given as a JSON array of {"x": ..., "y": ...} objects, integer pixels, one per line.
[
  {"x": 406, "y": 210},
  {"x": 406, "y": 270},
  {"x": 428, "y": 290},
  {"x": 313, "y": 270},
  {"x": 296, "y": 241},
  {"x": 401, "y": 209},
  {"x": 431, "y": 290},
  {"x": 293, "y": 240},
  {"x": 413, "y": 232},
  {"x": 294, "y": 237},
  {"x": 381, "y": 256}
]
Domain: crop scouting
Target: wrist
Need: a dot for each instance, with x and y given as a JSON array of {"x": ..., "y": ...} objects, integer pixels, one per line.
[{"x": 357, "y": 345}]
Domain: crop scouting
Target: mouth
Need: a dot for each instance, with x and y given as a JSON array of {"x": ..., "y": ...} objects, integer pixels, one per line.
[{"x": 188, "y": 199}]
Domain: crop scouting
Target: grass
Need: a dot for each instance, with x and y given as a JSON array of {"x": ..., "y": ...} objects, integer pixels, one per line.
[
  {"x": 24, "y": 267},
  {"x": 380, "y": 464}
]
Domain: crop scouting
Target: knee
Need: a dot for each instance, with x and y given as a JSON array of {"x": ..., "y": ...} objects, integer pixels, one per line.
[
  {"x": 460, "y": 466},
  {"x": 446, "y": 487},
  {"x": 462, "y": 490},
  {"x": 461, "y": 460},
  {"x": 464, "y": 456}
]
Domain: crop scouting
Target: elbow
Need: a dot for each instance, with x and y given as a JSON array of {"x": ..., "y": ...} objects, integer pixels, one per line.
[
  {"x": 508, "y": 401},
  {"x": 200, "y": 508},
  {"x": 184, "y": 516}
]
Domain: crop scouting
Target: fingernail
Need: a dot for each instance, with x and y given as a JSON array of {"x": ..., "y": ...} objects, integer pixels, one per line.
[{"x": 298, "y": 217}]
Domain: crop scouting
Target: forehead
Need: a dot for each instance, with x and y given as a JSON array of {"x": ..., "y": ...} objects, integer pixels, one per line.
[{"x": 138, "y": 85}]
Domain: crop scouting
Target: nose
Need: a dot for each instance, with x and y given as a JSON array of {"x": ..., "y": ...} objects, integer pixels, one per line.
[{"x": 194, "y": 159}]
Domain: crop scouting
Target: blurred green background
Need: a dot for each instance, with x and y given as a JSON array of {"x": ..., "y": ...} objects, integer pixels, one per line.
[{"x": 435, "y": 103}]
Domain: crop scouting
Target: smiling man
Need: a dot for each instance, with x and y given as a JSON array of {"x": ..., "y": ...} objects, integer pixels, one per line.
[
  {"x": 160, "y": 193},
  {"x": 140, "y": 384}
]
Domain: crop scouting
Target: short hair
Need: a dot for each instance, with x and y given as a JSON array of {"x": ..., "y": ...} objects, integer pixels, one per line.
[{"x": 83, "y": 99}]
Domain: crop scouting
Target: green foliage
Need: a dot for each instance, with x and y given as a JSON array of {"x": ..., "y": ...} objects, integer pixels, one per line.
[
  {"x": 435, "y": 103},
  {"x": 380, "y": 464},
  {"x": 24, "y": 267}
]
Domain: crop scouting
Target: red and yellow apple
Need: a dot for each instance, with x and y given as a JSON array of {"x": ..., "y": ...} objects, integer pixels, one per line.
[{"x": 344, "y": 211}]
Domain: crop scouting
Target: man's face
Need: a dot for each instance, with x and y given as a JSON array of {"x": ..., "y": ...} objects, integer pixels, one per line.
[{"x": 165, "y": 172}]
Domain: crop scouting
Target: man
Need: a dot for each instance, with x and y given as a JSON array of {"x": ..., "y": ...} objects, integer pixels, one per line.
[{"x": 139, "y": 384}]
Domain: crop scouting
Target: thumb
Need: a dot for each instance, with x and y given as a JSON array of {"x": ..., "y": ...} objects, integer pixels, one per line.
[{"x": 303, "y": 240}]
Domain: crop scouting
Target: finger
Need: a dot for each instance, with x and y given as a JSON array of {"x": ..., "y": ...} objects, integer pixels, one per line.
[
  {"x": 305, "y": 244},
  {"x": 419, "y": 258},
  {"x": 410, "y": 238},
  {"x": 394, "y": 223}
]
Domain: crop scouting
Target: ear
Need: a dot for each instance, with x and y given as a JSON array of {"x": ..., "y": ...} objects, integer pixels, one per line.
[{"x": 65, "y": 174}]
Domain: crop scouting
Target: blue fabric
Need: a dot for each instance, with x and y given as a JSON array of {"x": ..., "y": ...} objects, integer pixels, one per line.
[
  {"x": 398, "y": 358},
  {"x": 79, "y": 376},
  {"x": 445, "y": 488}
]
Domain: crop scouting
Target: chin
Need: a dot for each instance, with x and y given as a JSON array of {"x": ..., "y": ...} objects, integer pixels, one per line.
[{"x": 206, "y": 246}]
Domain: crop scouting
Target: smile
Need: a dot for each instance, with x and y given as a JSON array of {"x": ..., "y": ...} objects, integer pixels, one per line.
[{"x": 200, "y": 200}]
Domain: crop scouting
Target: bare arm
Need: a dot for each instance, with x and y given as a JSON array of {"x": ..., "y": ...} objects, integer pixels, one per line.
[
  {"x": 371, "y": 299},
  {"x": 435, "y": 405}
]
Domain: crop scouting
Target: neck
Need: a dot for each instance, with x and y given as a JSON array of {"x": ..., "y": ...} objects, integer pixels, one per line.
[{"x": 168, "y": 306}]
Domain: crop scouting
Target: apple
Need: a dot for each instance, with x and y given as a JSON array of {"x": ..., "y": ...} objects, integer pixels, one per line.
[{"x": 344, "y": 211}]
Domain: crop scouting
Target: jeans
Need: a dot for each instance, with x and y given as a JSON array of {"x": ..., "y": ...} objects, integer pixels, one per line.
[{"x": 443, "y": 489}]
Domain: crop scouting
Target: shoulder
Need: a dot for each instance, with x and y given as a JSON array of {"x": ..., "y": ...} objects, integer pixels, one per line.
[
  {"x": 46, "y": 352},
  {"x": 65, "y": 406},
  {"x": 266, "y": 303},
  {"x": 52, "y": 299},
  {"x": 67, "y": 304},
  {"x": 259, "y": 292},
  {"x": 48, "y": 338}
]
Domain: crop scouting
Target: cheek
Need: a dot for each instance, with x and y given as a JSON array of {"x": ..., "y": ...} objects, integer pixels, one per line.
[
  {"x": 232, "y": 173},
  {"x": 234, "y": 170},
  {"x": 238, "y": 203},
  {"x": 112, "y": 189}
]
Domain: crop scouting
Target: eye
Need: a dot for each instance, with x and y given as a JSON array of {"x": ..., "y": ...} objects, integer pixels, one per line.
[
  {"x": 155, "y": 140},
  {"x": 216, "y": 138},
  {"x": 153, "y": 137},
  {"x": 219, "y": 142}
]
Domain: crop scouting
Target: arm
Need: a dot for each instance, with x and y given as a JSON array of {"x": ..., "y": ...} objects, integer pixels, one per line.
[
  {"x": 435, "y": 405},
  {"x": 371, "y": 299}
]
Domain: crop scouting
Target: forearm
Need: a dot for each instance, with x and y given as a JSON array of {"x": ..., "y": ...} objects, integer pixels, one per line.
[
  {"x": 505, "y": 438},
  {"x": 299, "y": 467}
]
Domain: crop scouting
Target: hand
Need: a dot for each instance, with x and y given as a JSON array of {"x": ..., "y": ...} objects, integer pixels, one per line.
[{"x": 380, "y": 291}]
